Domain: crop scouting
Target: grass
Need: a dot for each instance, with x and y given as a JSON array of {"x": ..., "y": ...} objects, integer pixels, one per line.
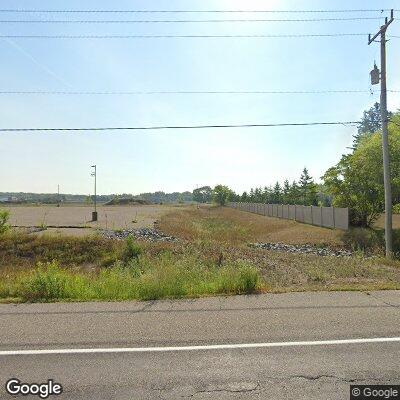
[
  {"x": 168, "y": 278},
  {"x": 212, "y": 258},
  {"x": 226, "y": 225}
]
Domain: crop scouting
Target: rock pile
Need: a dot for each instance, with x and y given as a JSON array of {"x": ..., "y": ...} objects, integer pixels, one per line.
[
  {"x": 147, "y": 234},
  {"x": 302, "y": 249}
]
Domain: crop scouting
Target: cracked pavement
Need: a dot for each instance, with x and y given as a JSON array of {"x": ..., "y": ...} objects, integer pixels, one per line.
[{"x": 313, "y": 372}]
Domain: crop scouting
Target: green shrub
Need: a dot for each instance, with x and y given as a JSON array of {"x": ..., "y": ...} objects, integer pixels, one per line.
[
  {"x": 364, "y": 239},
  {"x": 4, "y": 217},
  {"x": 370, "y": 240},
  {"x": 131, "y": 251},
  {"x": 396, "y": 209},
  {"x": 49, "y": 282}
]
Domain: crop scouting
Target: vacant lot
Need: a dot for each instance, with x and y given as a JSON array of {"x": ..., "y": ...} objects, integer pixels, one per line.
[
  {"x": 212, "y": 256},
  {"x": 109, "y": 217},
  {"x": 237, "y": 227}
]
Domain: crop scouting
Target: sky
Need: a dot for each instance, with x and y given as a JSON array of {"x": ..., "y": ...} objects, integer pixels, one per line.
[{"x": 168, "y": 160}]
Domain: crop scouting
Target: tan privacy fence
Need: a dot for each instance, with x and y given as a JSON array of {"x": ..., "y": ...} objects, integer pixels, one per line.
[{"x": 329, "y": 217}]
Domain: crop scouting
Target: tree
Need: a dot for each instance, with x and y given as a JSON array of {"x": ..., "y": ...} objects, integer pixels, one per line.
[
  {"x": 258, "y": 195},
  {"x": 267, "y": 194},
  {"x": 245, "y": 197},
  {"x": 202, "y": 194},
  {"x": 251, "y": 194},
  {"x": 357, "y": 180},
  {"x": 370, "y": 123},
  {"x": 276, "y": 196},
  {"x": 308, "y": 189},
  {"x": 286, "y": 192},
  {"x": 294, "y": 193},
  {"x": 222, "y": 194}
]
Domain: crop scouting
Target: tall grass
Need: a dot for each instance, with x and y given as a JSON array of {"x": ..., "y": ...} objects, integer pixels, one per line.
[{"x": 167, "y": 278}]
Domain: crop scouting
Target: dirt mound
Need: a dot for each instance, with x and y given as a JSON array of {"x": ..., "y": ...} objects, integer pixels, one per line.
[{"x": 126, "y": 201}]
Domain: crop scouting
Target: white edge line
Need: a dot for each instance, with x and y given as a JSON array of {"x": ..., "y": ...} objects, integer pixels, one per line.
[{"x": 196, "y": 348}]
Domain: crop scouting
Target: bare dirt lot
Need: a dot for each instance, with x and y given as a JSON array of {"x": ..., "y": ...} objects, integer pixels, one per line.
[{"x": 72, "y": 219}]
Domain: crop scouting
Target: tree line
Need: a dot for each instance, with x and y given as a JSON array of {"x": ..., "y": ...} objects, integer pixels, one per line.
[
  {"x": 356, "y": 181},
  {"x": 304, "y": 191}
]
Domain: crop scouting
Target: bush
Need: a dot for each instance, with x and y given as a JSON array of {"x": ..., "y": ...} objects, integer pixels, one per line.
[
  {"x": 364, "y": 239},
  {"x": 131, "y": 251},
  {"x": 4, "y": 217},
  {"x": 50, "y": 282}
]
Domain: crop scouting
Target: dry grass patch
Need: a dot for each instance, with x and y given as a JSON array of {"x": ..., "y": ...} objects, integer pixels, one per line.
[{"x": 228, "y": 225}]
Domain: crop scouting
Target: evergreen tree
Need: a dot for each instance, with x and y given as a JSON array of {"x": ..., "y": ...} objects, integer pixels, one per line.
[
  {"x": 294, "y": 193},
  {"x": 257, "y": 195},
  {"x": 277, "y": 194},
  {"x": 308, "y": 189},
  {"x": 251, "y": 196},
  {"x": 267, "y": 194},
  {"x": 286, "y": 192}
]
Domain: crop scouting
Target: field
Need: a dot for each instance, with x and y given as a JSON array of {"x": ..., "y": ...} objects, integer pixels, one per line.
[
  {"x": 76, "y": 219},
  {"x": 212, "y": 256}
]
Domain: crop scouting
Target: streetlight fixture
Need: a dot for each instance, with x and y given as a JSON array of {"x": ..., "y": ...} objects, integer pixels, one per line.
[{"x": 94, "y": 173}]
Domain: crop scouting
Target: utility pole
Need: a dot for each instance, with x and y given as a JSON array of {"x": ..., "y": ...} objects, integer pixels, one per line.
[
  {"x": 385, "y": 139},
  {"x": 94, "y": 173},
  {"x": 58, "y": 195}
]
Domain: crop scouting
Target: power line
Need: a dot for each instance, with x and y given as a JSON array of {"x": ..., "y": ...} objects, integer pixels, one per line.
[
  {"x": 189, "y": 11},
  {"x": 167, "y": 92},
  {"x": 182, "y": 21},
  {"x": 178, "y": 36},
  {"x": 137, "y": 128}
]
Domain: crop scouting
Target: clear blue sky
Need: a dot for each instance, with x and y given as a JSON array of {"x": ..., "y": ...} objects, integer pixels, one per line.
[{"x": 177, "y": 161}]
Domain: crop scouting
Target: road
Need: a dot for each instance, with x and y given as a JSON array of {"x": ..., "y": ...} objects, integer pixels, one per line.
[{"x": 107, "y": 348}]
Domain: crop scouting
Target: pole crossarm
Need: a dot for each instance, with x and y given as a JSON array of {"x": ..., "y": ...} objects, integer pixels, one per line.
[{"x": 383, "y": 28}]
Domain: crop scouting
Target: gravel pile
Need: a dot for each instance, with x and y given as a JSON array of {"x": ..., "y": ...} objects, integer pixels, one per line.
[
  {"x": 302, "y": 249},
  {"x": 147, "y": 234}
]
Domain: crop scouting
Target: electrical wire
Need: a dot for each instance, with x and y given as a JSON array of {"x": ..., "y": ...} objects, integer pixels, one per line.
[
  {"x": 67, "y": 11},
  {"x": 166, "y": 92},
  {"x": 141, "y": 128},
  {"x": 178, "y": 36},
  {"x": 182, "y": 21}
]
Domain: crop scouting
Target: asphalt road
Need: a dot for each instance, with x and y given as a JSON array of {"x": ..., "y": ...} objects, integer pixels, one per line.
[{"x": 315, "y": 369}]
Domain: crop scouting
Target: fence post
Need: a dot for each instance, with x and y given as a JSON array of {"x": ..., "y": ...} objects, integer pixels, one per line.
[
  {"x": 333, "y": 215},
  {"x": 312, "y": 216},
  {"x": 295, "y": 212},
  {"x": 321, "y": 216}
]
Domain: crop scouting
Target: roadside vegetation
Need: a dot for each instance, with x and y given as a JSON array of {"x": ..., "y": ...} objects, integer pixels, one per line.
[{"x": 212, "y": 257}]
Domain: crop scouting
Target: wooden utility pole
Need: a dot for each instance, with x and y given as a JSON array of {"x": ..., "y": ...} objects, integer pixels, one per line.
[{"x": 385, "y": 139}]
